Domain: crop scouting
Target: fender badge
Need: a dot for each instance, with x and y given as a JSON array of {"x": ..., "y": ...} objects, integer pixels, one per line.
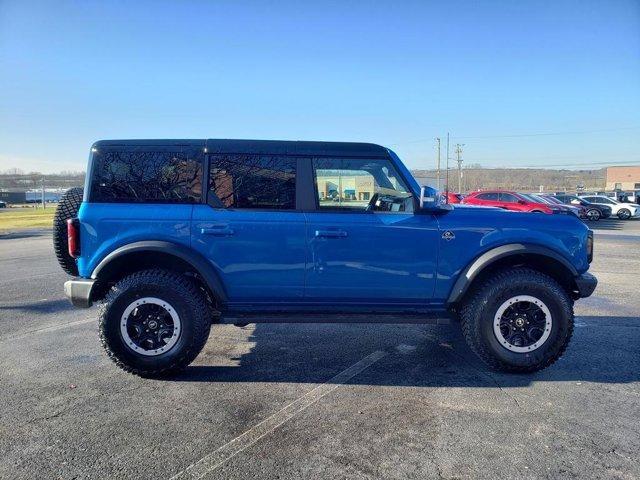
[{"x": 448, "y": 235}]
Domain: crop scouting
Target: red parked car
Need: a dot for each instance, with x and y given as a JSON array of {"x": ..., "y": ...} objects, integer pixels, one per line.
[
  {"x": 451, "y": 197},
  {"x": 508, "y": 201}
]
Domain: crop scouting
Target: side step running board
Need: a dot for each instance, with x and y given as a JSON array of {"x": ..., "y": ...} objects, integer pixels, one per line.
[{"x": 243, "y": 319}]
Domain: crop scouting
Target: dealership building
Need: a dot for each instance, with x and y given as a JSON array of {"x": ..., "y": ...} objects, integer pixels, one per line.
[{"x": 623, "y": 178}]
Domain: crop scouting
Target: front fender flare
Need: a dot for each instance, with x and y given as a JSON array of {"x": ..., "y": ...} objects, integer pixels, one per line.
[
  {"x": 468, "y": 275},
  {"x": 197, "y": 261}
]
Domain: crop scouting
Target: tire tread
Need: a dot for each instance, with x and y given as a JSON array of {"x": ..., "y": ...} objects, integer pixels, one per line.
[
  {"x": 68, "y": 207},
  {"x": 192, "y": 296},
  {"x": 471, "y": 312}
]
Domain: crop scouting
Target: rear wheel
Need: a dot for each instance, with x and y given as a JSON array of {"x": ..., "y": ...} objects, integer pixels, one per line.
[
  {"x": 518, "y": 320},
  {"x": 154, "y": 323},
  {"x": 624, "y": 214}
]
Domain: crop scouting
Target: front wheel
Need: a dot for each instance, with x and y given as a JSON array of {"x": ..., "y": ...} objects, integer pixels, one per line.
[
  {"x": 154, "y": 323},
  {"x": 624, "y": 214},
  {"x": 518, "y": 320}
]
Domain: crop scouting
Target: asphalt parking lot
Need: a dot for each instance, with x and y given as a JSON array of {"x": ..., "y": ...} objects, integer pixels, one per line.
[{"x": 316, "y": 401}]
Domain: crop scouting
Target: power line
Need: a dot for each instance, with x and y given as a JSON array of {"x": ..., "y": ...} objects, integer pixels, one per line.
[
  {"x": 523, "y": 135},
  {"x": 610, "y": 163},
  {"x": 580, "y": 132}
]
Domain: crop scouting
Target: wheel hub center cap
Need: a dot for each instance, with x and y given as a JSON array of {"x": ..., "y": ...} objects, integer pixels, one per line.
[
  {"x": 522, "y": 323},
  {"x": 150, "y": 326}
]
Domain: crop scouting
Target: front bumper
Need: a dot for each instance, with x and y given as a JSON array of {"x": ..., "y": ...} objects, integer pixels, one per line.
[
  {"x": 79, "y": 291},
  {"x": 586, "y": 284}
]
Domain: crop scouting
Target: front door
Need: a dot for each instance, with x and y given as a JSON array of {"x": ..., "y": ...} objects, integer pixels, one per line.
[
  {"x": 366, "y": 243},
  {"x": 251, "y": 230}
]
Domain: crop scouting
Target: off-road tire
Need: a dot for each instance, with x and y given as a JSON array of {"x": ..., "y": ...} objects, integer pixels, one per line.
[
  {"x": 477, "y": 317},
  {"x": 190, "y": 304},
  {"x": 624, "y": 214},
  {"x": 67, "y": 208}
]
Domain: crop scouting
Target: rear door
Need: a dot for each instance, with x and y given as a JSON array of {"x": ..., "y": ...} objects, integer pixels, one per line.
[
  {"x": 366, "y": 243},
  {"x": 251, "y": 229}
]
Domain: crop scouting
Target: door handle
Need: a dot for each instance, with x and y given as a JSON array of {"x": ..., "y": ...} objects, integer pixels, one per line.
[
  {"x": 331, "y": 233},
  {"x": 218, "y": 231}
]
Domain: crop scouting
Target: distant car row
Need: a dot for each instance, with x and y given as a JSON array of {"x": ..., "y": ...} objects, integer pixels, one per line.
[
  {"x": 631, "y": 196},
  {"x": 588, "y": 207}
]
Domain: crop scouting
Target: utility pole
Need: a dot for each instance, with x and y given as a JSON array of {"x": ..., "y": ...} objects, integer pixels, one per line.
[
  {"x": 459, "y": 160},
  {"x": 447, "y": 185},
  {"x": 438, "y": 163},
  {"x": 43, "y": 207}
]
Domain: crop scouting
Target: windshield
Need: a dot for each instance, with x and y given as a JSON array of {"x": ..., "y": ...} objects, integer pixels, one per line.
[
  {"x": 553, "y": 200},
  {"x": 540, "y": 199}
]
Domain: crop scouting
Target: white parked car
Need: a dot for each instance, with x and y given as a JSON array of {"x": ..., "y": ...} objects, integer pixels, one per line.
[{"x": 624, "y": 211}]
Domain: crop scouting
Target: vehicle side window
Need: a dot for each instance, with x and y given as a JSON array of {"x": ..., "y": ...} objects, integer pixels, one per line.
[
  {"x": 146, "y": 175},
  {"x": 492, "y": 196},
  {"x": 507, "y": 197},
  {"x": 253, "y": 181},
  {"x": 360, "y": 185}
]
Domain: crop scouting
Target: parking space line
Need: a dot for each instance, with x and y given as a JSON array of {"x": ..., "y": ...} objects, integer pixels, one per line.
[
  {"x": 229, "y": 450},
  {"x": 51, "y": 328}
]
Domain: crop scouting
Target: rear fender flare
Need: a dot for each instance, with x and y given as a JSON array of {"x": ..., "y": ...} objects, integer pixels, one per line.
[{"x": 199, "y": 264}]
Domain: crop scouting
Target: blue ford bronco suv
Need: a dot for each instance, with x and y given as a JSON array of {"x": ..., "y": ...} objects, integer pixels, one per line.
[{"x": 173, "y": 235}]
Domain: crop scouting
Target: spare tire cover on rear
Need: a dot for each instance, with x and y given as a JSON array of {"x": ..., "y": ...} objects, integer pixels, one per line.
[{"x": 67, "y": 208}]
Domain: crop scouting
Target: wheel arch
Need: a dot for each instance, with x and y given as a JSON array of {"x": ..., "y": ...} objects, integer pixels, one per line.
[
  {"x": 157, "y": 254},
  {"x": 537, "y": 257}
]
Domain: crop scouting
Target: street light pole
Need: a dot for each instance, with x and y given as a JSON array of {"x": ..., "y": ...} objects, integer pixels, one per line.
[{"x": 438, "y": 163}]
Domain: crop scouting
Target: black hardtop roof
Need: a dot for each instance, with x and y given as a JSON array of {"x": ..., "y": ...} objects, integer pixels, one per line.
[{"x": 347, "y": 149}]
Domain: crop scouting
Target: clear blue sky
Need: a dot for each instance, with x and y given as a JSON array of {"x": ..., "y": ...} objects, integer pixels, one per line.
[{"x": 395, "y": 73}]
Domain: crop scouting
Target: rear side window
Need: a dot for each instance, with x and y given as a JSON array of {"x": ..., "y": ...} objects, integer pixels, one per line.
[
  {"x": 252, "y": 181},
  {"x": 146, "y": 175},
  {"x": 488, "y": 196}
]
